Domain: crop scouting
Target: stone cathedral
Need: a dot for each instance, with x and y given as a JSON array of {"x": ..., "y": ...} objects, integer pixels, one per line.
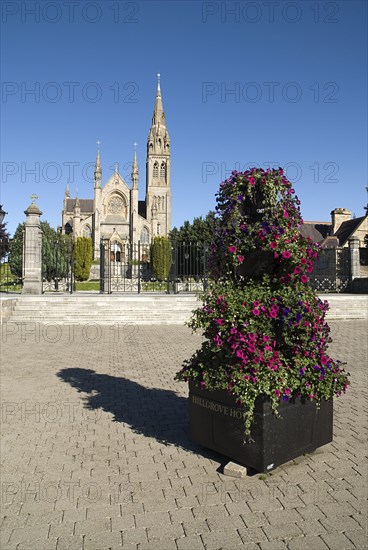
[{"x": 115, "y": 213}]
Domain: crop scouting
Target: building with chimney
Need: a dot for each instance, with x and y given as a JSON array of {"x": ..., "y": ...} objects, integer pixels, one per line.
[{"x": 115, "y": 212}]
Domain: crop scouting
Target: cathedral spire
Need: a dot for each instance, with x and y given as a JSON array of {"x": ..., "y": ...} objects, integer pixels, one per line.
[
  {"x": 135, "y": 169},
  {"x": 158, "y": 113},
  {"x": 67, "y": 190},
  {"x": 98, "y": 170}
]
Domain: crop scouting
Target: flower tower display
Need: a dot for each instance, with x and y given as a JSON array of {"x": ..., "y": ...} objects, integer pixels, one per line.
[{"x": 265, "y": 348}]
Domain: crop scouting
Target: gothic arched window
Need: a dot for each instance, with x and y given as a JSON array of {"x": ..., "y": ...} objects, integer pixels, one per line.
[
  {"x": 144, "y": 236},
  {"x": 155, "y": 170},
  {"x": 87, "y": 231},
  {"x": 163, "y": 170}
]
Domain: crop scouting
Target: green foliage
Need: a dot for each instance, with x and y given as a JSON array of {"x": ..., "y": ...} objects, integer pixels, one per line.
[
  {"x": 9, "y": 282},
  {"x": 4, "y": 241},
  {"x": 201, "y": 230},
  {"x": 82, "y": 258},
  {"x": 15, "y": 258},
  {"x": 56, "y": 251},
  {"x": 161, "y": 257}
]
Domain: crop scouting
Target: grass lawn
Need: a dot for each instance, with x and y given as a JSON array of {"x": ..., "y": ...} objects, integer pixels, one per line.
[
  {"x": 88, "y": 285},
  {"x": 8, "y": 281}
]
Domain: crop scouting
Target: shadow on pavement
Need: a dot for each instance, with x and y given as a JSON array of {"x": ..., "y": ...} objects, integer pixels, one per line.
[{"x": 153, "y": 412}]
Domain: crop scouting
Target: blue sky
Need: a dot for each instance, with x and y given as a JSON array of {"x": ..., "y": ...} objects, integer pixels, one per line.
[{"x": 243, "y": 83}]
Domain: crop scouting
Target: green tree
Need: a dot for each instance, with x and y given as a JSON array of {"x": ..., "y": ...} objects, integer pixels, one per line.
[
  {"x": 15, "y": 258},
  {"x": 56, "y": 251},
  {"x": 199, "y": 231},
  {"x": 82, "y": 258},
  {"x": 161, "y": 257},
  {"x": 4, "y": 241}
]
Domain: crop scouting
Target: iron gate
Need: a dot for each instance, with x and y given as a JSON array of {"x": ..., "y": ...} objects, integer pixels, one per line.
[
  {"x": 58, "y": 264},
  {"x": 129, "y": 267}
]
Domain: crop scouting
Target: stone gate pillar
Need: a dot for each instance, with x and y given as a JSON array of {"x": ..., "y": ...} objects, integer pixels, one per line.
[
  {"x": 354, "y": 257},
  {"x": 32, "y": 251}
]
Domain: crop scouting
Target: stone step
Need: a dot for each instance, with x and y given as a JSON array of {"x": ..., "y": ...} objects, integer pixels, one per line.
[{"x": 142, "y": 309}]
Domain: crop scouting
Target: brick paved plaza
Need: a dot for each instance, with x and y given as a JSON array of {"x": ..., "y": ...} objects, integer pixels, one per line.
[{"x": 96, "y": 453}]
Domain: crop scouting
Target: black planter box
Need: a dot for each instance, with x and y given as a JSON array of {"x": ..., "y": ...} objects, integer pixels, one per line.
[{"x": 217, "y": 423}]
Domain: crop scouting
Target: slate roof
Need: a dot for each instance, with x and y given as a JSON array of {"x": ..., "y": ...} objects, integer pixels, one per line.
[
  {"x": 317, "y": 231},
  {"x": 347, "y": 228},
  {"x": 86, "y": 205}
]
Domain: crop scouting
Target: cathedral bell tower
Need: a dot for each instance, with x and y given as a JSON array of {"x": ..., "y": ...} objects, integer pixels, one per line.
[{"x": 158, "y": 194}]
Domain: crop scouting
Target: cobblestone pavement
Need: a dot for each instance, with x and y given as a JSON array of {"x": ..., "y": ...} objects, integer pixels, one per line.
[{"x": 96, "y": 453}]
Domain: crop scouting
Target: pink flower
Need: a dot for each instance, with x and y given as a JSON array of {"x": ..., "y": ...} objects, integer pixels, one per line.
[
  {"x": 241, "y": 259},
  {"x": 273, "y": 245},
  {"x": 286, "y": 254},
  {"x": 287, "y": 391},
  {"x": 285, "y": 214},
  {"x": 297, "y": 270},
  {"x": 217, "y": 340},
  {"x": 256, "y": 311},
  {"x": 232, "y": 249},
  {"x": 304, "y": 279},
  {"x": 256, "y": 303},
  {"x": 303, "y": 261},
  {"x": 277, "y": 393},
  {"x": 220, "y": 321}
]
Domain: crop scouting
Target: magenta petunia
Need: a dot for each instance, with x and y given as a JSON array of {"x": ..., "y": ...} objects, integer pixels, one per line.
[
  {"x": 286, "y": 254},
  {"x": 273, "y": 245},
  {"x": 304, "y": 279},
  {"x": 240, "y": 259},
  {"x": 256, "y": 311},
  {"x": 232, "y": 249}
]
